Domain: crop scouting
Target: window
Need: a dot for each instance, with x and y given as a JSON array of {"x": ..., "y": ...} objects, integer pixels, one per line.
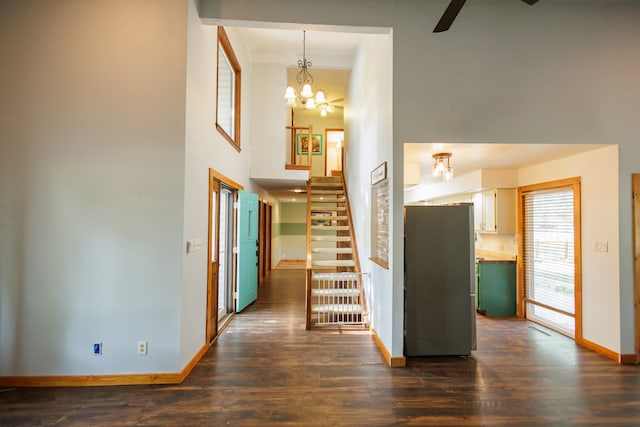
[
  {"x": 550, "y": 254},
  {"x": 228, "y": 91}
]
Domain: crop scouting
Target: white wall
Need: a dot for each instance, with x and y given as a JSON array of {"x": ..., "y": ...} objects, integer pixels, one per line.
[
  {"x": 368, "y": 130},
  {"x": 597, "y": 170},
  {"x": 91, "y": 191},
  {"x": 269, "y": 143},
  {"x": 206, "y": 148},
  {"x": 292, "y": 239}
]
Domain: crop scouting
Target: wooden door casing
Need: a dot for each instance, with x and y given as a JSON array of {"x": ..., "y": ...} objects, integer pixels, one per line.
[{"x": 212, "y": 258}]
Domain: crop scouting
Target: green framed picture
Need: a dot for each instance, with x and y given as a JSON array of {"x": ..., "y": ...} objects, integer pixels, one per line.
[{"x": 302, "y": 144}]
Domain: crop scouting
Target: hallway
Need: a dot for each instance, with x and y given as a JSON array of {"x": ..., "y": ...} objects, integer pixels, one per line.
[{"x": 266, "y": 369}]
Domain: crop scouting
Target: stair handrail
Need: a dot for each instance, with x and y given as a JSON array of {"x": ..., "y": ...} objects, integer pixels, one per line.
[
  {"x": 354, "y": 248},
  {"x": 293, "y": 145},
  {"x": 354, "y": 244},
  {"x": 309, "y": 263}
]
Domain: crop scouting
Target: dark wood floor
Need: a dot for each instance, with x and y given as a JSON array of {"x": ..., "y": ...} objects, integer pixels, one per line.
[{"x": 267, "y": 370}]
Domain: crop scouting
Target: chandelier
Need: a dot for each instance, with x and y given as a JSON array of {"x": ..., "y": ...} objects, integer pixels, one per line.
[
  {"x": 303, "y": 94},
  {"x": 442, "y": 166}
]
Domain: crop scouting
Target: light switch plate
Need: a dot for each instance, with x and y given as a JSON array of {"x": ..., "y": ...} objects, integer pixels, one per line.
[{"x": 601, "y": 246}]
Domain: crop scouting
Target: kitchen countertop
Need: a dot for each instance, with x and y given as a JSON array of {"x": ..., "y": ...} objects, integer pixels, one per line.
[{"x": 491, "y": 256}]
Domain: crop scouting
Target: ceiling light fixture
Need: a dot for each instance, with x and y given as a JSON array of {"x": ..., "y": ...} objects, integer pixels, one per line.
[
  {"x": 442, "y": 166},
  {"x": 302, "y": 94},
  {"x": 304, "y": 80}
]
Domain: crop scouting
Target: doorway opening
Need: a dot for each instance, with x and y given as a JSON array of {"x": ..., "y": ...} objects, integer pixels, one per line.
[
  {"x": 225, "y": 255},
  {"x": 222, "y": 261},
  {"x": 550, "y": 259},
  {"x": 335, "y": 149}
]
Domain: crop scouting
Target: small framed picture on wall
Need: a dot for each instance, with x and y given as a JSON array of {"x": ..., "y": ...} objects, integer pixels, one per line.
[{"x": 302, "y": 144}]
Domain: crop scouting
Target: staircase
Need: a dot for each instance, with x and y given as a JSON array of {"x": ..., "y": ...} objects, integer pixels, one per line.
[{"x": 335, "y": 293}]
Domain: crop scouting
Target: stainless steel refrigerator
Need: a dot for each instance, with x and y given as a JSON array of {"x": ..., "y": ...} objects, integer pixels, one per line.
[{"x": 439, "y": 280}]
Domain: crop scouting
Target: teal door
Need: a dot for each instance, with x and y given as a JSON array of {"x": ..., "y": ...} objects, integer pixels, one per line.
[{"x": 247, "y": 249}]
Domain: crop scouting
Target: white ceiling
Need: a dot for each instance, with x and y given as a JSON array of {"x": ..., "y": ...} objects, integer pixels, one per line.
[
  {"x": 469, "y": 157},
  {"x": 330, "y": 50},
  {"x": 325, "y": 49}
]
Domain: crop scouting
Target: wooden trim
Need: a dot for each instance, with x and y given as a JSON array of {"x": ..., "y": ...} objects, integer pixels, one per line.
[
  {"x": 308, "y": 231},
  {"x": 262, "y": 235},
  {"x": 194, "y": 360},
  {"x": 223, "y": 41},
  {"x": 89, "y": 380},
  {"x": 227, "y": 181},
  {"x": 269, "y": 235},
  {"x": 635, "y": 188},
  {"x": 294, "y": 132},
  {"x": 548, "y": 307},
  {"x": 392, "y": 361},
  {"x": 574, "y": 184},
  {"x": 309, "y": 262},
  {"x": 549, "y": 185},
  {"x": 212, "y": 229},
  {"x": 310, "y": 152},
  {"x": 577, "y": 248},
  {"x": 354, "y": 243},
  {"x": 104, "y": 380},
  {"x": 600, "y": 349},
  {"x": 520, "y": 307},
  {"x": 297, "y": 167},
  {"x": 628, "y": 359},
  {"x": 381, "y": 263},
  {"x": 308, "y": 277}
]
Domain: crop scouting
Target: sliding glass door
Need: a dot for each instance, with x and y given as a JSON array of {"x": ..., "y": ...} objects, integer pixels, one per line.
[{"x": 550, "y": 255}]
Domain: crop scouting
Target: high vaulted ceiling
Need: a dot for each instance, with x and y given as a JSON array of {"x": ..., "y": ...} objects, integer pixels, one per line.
[{"x": 329, "y": 51}]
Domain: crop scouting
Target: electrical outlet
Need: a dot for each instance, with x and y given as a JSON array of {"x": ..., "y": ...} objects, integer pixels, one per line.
[
  {"x": 97, "y": 348},
  {"x": 142, "y": 347}
]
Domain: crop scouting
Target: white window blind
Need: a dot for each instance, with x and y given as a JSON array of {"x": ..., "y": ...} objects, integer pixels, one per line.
[{"x": 548, "y": 255}]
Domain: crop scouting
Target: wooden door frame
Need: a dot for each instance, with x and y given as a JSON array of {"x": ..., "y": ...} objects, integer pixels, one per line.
[
  {"x": 574, "y": 183},
  {"x": 268, "y": 237},
  {"x": 635, "y": 188},
  {"x": 212, "y": 290},
  {"x": 216, "y": 178},
  {"x": 261, "y": 239}
]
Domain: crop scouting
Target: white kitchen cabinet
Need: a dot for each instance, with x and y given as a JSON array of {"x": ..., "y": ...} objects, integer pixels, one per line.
[
  {"x": 478, "y": 212},
  {"x": 495, "y": 211}
]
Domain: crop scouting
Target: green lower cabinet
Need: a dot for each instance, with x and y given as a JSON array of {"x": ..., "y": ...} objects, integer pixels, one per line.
[{"x": 497, "y": 288}]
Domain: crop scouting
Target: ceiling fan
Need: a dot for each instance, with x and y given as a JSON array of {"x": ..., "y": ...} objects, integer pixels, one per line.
[{"x": 454, "y": 7}]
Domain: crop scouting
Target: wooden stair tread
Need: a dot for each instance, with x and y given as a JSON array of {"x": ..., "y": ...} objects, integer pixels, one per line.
[
  {"x": 328, "y": 199},
  {"x": 327, "y": 208},
  {"x": 329, "y": 218},
  {"x": 332, "y": 250},
  {"x": 330, "y": 227},
  {"x": 316, "y": 187},
  {"x": 326, "y": 179},
  {"x": 334, "y": 263},
  {"x": 327, "y": 192},
  {"x": 330, "y": 238}
]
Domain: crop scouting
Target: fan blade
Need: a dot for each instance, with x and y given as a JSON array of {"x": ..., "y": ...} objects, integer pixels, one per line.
[
  {"x": 530, "y": 2},
  {"x": 449, "y": 15}
]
